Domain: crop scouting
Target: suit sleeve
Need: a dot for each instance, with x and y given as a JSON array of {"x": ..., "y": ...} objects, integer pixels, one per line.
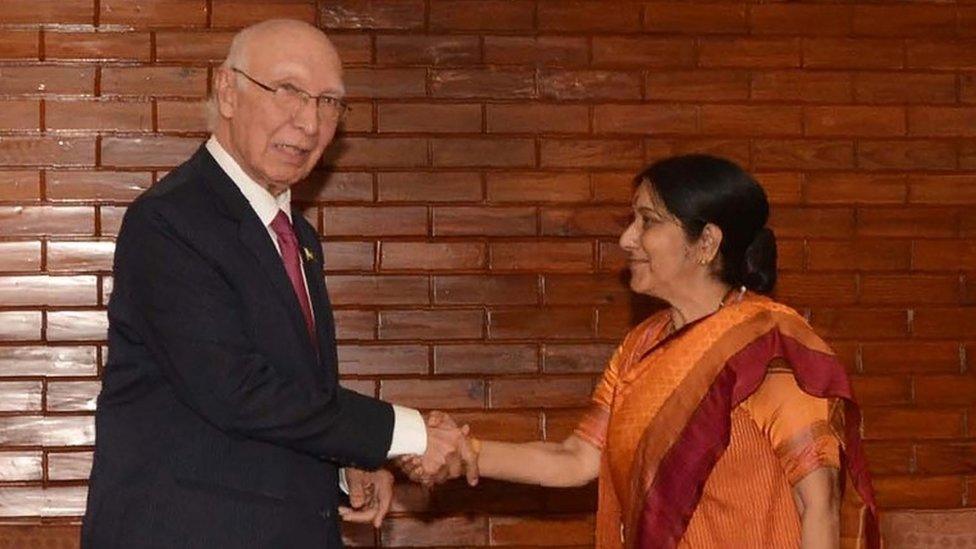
[{"x": 188, "y": 316}]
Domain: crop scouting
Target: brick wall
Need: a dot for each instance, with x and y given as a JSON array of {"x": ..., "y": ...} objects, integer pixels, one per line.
[{"x": 469, "y": 213}]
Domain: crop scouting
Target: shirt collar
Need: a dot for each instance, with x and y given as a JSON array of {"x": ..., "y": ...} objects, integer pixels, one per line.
[{"x": 262, "y": 202}]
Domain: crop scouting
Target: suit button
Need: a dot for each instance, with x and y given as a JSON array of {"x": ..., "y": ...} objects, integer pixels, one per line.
[{"x": 325, "y": 513}]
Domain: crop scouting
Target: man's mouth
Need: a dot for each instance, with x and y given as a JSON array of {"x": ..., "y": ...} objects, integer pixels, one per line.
[{"x": 293, "y": 150}]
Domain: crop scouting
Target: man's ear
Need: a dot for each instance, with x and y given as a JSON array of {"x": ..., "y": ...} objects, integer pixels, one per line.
[
  {"x": 225, "y": 91},
  {"x": 710, "y": 241}
]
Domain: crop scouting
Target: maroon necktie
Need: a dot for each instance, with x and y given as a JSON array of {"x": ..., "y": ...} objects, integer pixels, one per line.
[{"x": 288, "y": 244}]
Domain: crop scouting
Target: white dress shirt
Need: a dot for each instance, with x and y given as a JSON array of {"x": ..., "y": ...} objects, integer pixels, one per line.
[{"x": 409, "y": 431}]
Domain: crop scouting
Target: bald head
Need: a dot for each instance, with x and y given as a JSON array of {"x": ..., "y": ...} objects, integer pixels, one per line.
[{"x": 298, "y": 37}]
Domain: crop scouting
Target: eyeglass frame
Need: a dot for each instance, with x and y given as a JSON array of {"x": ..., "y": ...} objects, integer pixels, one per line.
[{"x": 302, "y": 94}]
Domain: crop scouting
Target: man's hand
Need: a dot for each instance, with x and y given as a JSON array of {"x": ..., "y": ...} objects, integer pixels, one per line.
[
  {"x": 370, "y": 496},
  {"x": 449, "y": 454}
]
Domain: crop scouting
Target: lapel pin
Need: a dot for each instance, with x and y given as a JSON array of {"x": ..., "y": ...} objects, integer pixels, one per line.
[{"x": 309, "y": 256}]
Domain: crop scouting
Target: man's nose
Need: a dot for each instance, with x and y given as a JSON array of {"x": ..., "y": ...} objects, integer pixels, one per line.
[{"x": 307, "y": 117}]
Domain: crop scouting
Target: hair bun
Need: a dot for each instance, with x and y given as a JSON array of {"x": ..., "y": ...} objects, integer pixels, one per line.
[{"x": 759, "y": 270}]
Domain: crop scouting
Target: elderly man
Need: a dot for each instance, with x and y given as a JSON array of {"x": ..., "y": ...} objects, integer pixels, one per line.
[{"x": 221, "y": 422}]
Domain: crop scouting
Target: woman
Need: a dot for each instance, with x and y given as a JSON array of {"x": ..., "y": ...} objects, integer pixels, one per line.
[{"x": 719, "y": 420}]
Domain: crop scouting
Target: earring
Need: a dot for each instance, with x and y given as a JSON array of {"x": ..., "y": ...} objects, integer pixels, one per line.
[{"x": 702, "y": 261}]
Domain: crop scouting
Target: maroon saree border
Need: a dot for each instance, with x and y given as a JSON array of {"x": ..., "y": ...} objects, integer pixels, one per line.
[{"x": 681, "y": 475}]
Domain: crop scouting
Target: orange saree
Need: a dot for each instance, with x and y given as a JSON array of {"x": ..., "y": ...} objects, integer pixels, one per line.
[{"x": 705, "y": 431}]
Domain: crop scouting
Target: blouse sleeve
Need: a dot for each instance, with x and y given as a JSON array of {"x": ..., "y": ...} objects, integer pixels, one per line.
[
  {"x": 593, "y": 426},
  {"x": 797, "y": 424}
]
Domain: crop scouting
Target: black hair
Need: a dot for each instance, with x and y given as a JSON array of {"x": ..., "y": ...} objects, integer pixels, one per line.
[{"x": 699, "y": 189}]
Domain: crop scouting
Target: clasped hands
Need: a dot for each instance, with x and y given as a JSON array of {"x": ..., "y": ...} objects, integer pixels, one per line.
[{"x": 449, "y": 454}]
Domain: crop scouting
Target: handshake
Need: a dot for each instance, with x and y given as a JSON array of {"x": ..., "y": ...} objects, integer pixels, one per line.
[{"x": 450, "y": 453}]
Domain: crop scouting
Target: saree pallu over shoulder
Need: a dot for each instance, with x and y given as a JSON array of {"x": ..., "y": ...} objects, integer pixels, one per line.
[{"x": 725, "y": 357}]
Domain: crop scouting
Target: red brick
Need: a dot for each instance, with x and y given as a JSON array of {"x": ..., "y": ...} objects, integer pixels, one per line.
[
  {"x": 334, "y": 187},
  {"x": 428, "y": 50},
  {"x": 181, "y": 116},
  {"x": 41, "y": 361},
  {"x": 382, "y": 359},
  {"x": 790, "y": 255},
  {"x": 48, "y": 79},
  {"x": 355, "y": 325},
  {"x": 802, "y": 86},
  {"x": 373, "y": 14},
  {"x": 487, "y": 290},
  {"x": 589, "y": 16},
  {"x": 675, "y": 17},
  {"x": 19, "y": 44},
  {"x": 69, "y": 465},
  {"x": 809, "y": 154},
  {"x": 597, "y": 289},
  {"x": 20, "y": 396},
  {"x": 358, "y": 118},
  {"x": 376, "y": 152},
  {"x": 905, "y": 21},
  {"x": 967, "y": 92},
  {"x": 566, "y": 51},
  {"x": 906, "y": 155},
  {"x": 942, "y": 121},
  {"x": 751, "y": 120},
  {"x": 614, "y": 322},
  {"x": 582, "y": 153},
  {"x": 616, "y": 187},
  {"x": 749, "y": 52},
  {"x": 549, "y": 323},
  {"x": 583, "y": 221},
  {"x": 20, "y": 185},
  {"x": 559, "y": 424},
  {"x": 944, "y": 322},
  {"x": 734, "y": 149},
  {"x": 915, "y": 357},
  {"x": 47, "y": 12},
  {"x": 98, "y": 115},
  {"x": 188, "y": 45},
  {"x": 943, "y": 255},
  {"x": 418, "y": 117},
  {"x": 78, "y": 256},
  {"x": 945, "y": 390},
  {"x": 432, "y": 255},
  {"x": 165, "y": 151},
  {"x": 919, "y": 492},
  {"x": 872, "y": 255},
  {"x": 20, "y": 256},
  {"x": 428, "y": 187},
  {"x": 76, "y": 325},
  {"x": 97, "y": 45},
  {"x": 24, "y": 465},
  {"x": 241, "y": 13},
  {"x": 488, "y": 83},
  {"x": 802, "y": 19},
  {"x": 645, "y": 119},
  {"x": 906, "y": 289},
  {"x": 348, "y": 256},
  {"x": 99, "y": 185},
  {"x": 942, "y": 189},
  {"x": 434, "y": 393},
  {"x": 20, "y": 326},
  {"x": 46, "y": 220},
  {"x": 52, "y": 501},
  {"x": 154, "y": 81},
  {"x": 473, "y": 221},
  {"x": 882, "y": 390},
  {"x": 856, "y": 121},
  {"x": 154, "y": 13},
  {"x": 385, "y": 83},
  {"x": 967, "y": 155},
  {"x": 353, "y": 48},
  {"x": 462, "y": 530},
  {"x": 484, "y": 152},
  {"x": 643, "y": 51},
  {"x": 541, "y": 256},
  {"x": 375, "y": 220},
  {"x": 537, "y": 118},
  {"x": 914, "y": 222},
  {"x": 712, "y": 85},
  {"x": 852, "y": 188},
  {"x": 966, "y": 21},
  {"x": 813, "y": 289},
  {"x": 886, "y": 423},
  {"x": 20, "y": 114},
  {"x": 538, "y": 187},
  {"x": 504, "y": 15},
  {"x": 38, "y": 290},
  {"x": 47, "y": 151},
  {"x": 110, "y": 219},
  {"x": 853, "y": 53},
  {"x": 72, "y": 396},
  {"x": 945, "y": 458},
  {"x": 431, "y": 324},
  {"x": 378, "y": 290},
  {"x": 576, "y": 358},
  {"x": 572, "y": 85},
  {"x": 906, "y": 88},
  {"x": 860, "y": 323},
  {"x": 485, "y": 359},
  {"x": 949, "y": 54},
  {"x": 781, "y": 187}
]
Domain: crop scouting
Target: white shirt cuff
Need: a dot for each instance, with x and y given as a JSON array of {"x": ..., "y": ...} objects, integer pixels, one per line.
[
  {"x": 343, "y": 484},
  {"x": 409, "y": 432}
]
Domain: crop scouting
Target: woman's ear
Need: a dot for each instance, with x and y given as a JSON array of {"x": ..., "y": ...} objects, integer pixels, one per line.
[{"x": 709, "y": 242}]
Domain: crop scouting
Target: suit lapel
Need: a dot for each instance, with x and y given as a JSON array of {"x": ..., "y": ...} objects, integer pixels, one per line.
[{"x": 255, "y": 237}]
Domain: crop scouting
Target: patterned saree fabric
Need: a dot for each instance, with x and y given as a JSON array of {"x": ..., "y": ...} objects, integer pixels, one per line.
[{"x": 705, "y": 431}]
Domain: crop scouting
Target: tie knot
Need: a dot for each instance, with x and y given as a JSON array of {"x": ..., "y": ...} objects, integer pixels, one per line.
[{"x": 282, "y": 226}]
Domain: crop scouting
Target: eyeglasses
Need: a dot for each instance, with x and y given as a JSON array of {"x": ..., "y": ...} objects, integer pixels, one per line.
[{"x": 291, "y": 99}]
